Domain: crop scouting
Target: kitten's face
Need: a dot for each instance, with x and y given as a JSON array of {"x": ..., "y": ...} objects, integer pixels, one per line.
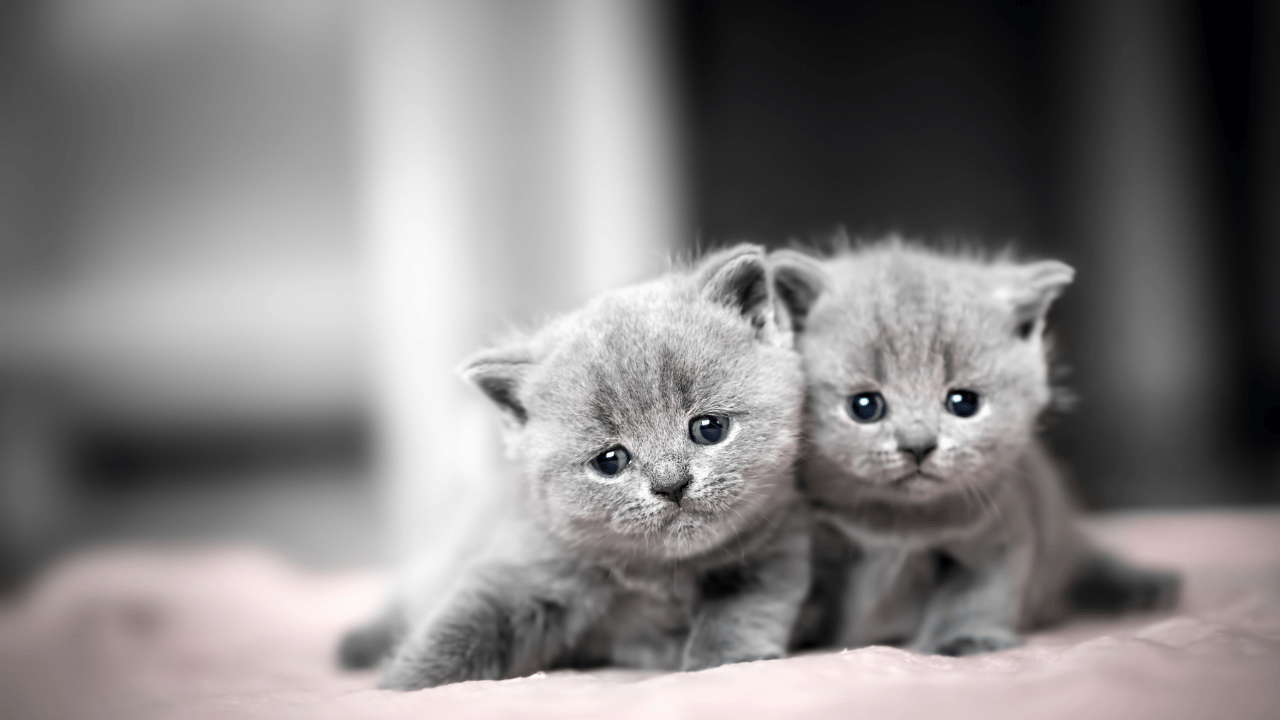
[
  {"x": 662, "y": 420},
  {"x": 926, "y": 375}
]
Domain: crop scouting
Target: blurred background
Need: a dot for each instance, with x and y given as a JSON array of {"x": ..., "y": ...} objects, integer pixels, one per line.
[{"x": 244, "y": 245}]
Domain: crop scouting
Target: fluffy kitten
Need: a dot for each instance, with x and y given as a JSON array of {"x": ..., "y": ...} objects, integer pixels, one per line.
[
  {"x": 654, "y": 432},
  {"x": 943, "y": 522}
]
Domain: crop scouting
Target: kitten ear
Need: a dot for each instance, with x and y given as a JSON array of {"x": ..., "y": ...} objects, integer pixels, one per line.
[
  {"x": 500, "y": 374},
  {"x": 738, "y": 278},
  {"x": 1030, "y": 289},
  {"x": 798, "y": 280}
]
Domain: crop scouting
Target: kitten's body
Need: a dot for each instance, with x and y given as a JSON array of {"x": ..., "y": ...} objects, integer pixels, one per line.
[
  {"x": 691, "y": 555},
  {"x": 946, "y": 533}
]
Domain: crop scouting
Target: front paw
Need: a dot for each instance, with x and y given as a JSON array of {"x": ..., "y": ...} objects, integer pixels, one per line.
[
  {"x": 701, "y": 656},
  {"x": 404, "y": 678},
  {"x": 449, "y": 655},
  {"x": 422, "y": 672},
  {"x": 977, "y": 642},
  {"x": 704, "y": 663}
]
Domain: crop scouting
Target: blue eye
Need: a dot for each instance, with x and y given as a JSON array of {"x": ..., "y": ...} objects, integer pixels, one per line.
[
  {"x": 611, "y": 461},
  {"x": 708, "y": 429},
  {"x": 867, "y": 407},
  {"x": 962, "y": 403}
]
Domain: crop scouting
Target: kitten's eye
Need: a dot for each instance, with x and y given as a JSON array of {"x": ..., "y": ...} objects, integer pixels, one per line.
[
  {"x": 709, "y": 429},
  {"x": 611, "y": 461},
  {"x": 867, "y": 407},
  {"x": 962, "y": 403}
]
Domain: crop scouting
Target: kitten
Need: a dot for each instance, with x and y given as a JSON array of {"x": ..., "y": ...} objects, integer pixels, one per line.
[
  {"x": 942, "y": 521},
  {"x": 654, "y": 432}
]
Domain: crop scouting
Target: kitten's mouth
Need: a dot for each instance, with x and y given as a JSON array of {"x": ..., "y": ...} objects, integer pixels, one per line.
[
  {"x": 916, "y": 480},
  {"x": 677, "y": 513}
]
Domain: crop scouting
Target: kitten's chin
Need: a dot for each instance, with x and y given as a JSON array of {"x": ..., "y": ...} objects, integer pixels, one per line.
[{"x": 689, "y": 534}]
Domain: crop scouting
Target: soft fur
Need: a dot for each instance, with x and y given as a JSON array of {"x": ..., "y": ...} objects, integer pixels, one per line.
[
  {"x": 608, "y": 570},
  {"x": 958, "y": 552}
]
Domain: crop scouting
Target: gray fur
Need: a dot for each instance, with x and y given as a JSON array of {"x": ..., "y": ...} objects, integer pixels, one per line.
[
  {"x": 983, "y": 544},
  {"x": 607, "y": 570}
]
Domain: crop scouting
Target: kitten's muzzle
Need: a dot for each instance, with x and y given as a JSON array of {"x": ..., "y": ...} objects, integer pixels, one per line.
[
  {"x": 917, "y": 440},
  {"x": 671, "y": 489}
]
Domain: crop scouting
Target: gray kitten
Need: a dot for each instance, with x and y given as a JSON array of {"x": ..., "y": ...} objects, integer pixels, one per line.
[
  {"x": 654, "y": 432},
  {"x": 943, "y": 524}
]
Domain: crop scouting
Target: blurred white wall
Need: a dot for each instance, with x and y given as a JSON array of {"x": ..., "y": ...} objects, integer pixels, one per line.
[
  {"x": 518, "y": 158},
  {"x": 179, "y": 254},
  {"x": 186, "y": 247},
  {"x": 229, "y": 214}
]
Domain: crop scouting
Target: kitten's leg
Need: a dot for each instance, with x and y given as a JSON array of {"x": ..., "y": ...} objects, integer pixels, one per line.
[
  {"x": 509, "y": 621},
  {"x": 823, "y": 614},
  {"x": 749, "y": 612},
  {"x": 367, "y": 644},
  {"x": 886, "y": 596},
  {"x": 976, "y": 607}
]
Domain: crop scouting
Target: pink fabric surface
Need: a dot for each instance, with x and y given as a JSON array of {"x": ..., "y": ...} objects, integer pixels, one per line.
[{"x": 220, "y": 633}]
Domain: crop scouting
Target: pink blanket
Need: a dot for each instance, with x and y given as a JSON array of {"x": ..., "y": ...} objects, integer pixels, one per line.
[{"x": 160, "y": 633}]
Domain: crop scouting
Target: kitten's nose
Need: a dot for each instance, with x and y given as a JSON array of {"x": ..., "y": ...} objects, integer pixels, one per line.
[
  {"x": 672, "y": 490},
  {"x": 919, "y": 451}
]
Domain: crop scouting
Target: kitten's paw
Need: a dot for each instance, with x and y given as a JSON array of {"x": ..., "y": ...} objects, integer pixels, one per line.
[
  {"x": 402, "y": 680},
  {"x": 449, "y": 654},
  {"x": 406, "y": 675},
  {"x": 1111, "y": 586},
  {"x": 1156, "y": 590},
  {"x": 706, "y": 652},
  {"x": 692, "y": 663},
  {"x": 977, "y": 643}
]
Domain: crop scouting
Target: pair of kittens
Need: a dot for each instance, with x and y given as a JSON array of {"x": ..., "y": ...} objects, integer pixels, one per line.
[{"x": 767, "y": 452}]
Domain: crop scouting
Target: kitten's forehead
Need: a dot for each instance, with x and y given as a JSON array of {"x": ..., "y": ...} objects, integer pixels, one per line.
[
  {"x": 635, "y": 358},
  {"x": 898, "y": 309}
]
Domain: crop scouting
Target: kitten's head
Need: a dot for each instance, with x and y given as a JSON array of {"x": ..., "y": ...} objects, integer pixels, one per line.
[
  {"x": 926, "y": 373},
  {"x": 660, "y": 420}
]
